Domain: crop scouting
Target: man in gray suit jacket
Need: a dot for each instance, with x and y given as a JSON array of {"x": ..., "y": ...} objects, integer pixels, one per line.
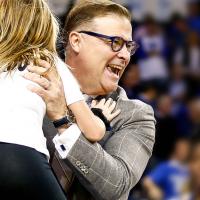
[{"x": 99, "y": 44}]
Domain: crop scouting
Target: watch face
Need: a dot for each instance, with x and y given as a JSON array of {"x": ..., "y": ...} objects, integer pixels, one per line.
[{"x": 71, "y": 116}]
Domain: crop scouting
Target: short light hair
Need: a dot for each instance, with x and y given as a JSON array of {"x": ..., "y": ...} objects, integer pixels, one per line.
[
  {"x": 84, "y": 12},
  {"x": 27, "y": 28}
]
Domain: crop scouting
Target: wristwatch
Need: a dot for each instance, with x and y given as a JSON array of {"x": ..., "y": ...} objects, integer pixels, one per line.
[{"x": 66, "y": 120}]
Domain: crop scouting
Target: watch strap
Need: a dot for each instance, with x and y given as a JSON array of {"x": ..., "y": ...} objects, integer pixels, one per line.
[{"x": 63, "y": 121}]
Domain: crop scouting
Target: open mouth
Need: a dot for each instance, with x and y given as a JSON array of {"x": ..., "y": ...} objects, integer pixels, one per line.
[{"x": 116, "y": 69}]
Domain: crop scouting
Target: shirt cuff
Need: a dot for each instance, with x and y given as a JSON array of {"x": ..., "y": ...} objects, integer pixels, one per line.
[{"x": 65, "y": 141}]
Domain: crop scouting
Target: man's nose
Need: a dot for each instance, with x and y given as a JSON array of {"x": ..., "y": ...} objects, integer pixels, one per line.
[{"x": 124, "y": 53}]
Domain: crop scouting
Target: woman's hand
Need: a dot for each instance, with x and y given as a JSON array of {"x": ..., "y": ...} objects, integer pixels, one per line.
[{"x": 107, "y": 108}]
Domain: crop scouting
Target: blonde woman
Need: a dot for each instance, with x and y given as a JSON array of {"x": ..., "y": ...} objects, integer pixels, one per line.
[{"x": 28, "y": 33}]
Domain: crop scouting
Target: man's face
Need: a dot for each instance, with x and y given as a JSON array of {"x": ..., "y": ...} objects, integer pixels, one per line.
[{"x": 98, "y": 68}]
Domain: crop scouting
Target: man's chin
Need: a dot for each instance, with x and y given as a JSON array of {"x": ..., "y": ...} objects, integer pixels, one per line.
[{"x": 108, "y": 89}]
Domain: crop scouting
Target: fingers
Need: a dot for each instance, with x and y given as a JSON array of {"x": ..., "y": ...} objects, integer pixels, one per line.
[
  {"x": 41, "y": 88},
  {"x": 107, "y": 108},
  {"x": 38, "y": 90},
  {"x": 112, "y": 106},
  {"x": 44, "y": 64},
  {"x": 113, "y": 115},
  {"x": 44, "y": 75},
  {"x": 41, "y": 81},
  {"x": 37, "y": 69},
  {"x": 44, "y": 69},
  {"x": 93, "y": 104},
  {"x": 108, "y": 102},
  {"x": 101, "y": 103}
]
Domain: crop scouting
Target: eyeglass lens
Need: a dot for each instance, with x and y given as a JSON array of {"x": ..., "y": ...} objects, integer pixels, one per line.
[{"x": 118, "y": 43}]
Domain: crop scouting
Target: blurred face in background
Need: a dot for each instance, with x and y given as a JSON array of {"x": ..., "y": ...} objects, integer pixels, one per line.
[
  {"x": 194, "y": 166},
  {"x": 194, "y": 111},
  {"x": 193, "y": 39},
  {"x": 193, "y": 8},
  {"x": 182, "y": 150},
  {"x": 165, "y": 105},
  {"x": 180, "y": 24},
  {"x": 131, "y": 77}
]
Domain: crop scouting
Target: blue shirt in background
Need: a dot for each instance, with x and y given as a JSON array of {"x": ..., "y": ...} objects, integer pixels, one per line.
[{"x": 171, "y": 177}]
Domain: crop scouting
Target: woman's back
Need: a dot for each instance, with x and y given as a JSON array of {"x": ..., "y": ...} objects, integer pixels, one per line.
[{"x": 22, "y": 112}]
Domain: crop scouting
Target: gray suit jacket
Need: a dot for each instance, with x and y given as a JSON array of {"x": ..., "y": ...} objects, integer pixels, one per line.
[{"x": 109, "y": 169}]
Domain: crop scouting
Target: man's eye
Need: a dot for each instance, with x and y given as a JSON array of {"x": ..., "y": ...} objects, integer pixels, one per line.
[{"x": 117, "y": 42}]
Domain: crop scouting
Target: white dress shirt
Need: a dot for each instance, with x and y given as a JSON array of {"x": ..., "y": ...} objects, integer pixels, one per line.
[
  {"x": 65, "y": 141},
  {"x": 22, "y": 111}
]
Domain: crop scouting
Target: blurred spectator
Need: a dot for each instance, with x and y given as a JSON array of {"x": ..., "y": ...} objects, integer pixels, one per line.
[
  {"x": 193, "y": 54},
  {"x": 166, "y": 128},
  {"x": 193, "y": 63},
  {"x": 193, "y": 189},
  {"x": 166, "y": 181},
  {"x": 177, "y": 86},
  {"x": 194, "y": 114},
  {"x": 160, "y": 9},
  {"x": 130, "y": 80},
  {"x": 178, "y": 30},
  {"x": 152, "y": 53},
  {"x": 194, "y": 15},
  {"x": 148, "y": 93},
  {"x": 189, "y": 57},
  {"x": 178, "y": 91}
]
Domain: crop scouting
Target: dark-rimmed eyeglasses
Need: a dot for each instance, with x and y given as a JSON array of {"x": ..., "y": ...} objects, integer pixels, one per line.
[{"x": 116, "y": 42}]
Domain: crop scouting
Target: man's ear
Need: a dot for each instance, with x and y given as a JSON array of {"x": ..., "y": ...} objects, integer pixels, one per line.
[{"x": 75, "y": 41}]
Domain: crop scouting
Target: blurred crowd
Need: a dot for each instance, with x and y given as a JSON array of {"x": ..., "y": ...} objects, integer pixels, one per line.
[{"x": 165, "y": 73}]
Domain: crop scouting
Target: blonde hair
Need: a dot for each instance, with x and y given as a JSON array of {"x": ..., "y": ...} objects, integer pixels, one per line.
[
  {"x": 28, "y": 30},
  {"x": 86, "y": 10}
]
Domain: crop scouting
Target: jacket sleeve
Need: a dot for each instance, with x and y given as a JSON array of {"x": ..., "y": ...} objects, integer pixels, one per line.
[{"x": 111, "y": 170}]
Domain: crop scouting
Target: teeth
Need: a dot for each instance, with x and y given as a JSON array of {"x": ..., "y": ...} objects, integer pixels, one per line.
[
  {"x": 115, "y": 66},
  {"x": 110, "y": 69}
]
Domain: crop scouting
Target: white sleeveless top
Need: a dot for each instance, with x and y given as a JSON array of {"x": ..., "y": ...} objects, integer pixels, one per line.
[{"x": 22, "y": 111}]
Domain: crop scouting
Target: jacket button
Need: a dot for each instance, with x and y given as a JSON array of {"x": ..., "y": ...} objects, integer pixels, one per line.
[
  {"x": 86, "y": 171},
  {"x": 78, "y": 163}
]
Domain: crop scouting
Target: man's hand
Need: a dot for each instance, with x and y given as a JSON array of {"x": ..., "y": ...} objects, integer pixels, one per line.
[{"x": 50, "y": 88}]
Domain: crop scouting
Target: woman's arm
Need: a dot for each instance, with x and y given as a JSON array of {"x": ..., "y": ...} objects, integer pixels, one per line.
[{"x": 92, "y": 126}]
